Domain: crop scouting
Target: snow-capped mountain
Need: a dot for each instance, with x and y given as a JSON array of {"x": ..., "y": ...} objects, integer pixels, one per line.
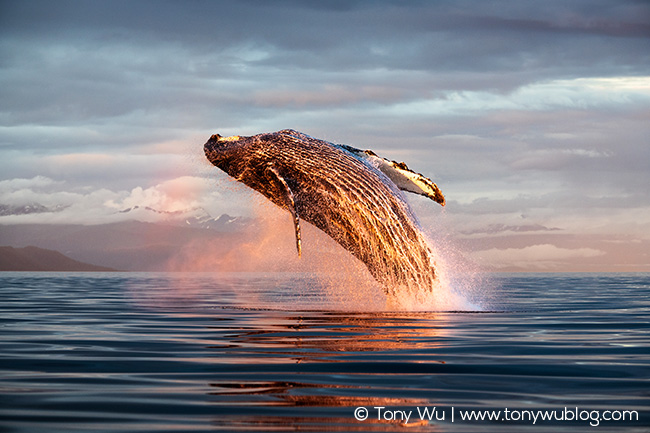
[
  {"x": 195, "y": 218},
  {"x": 32, "y": 208}
]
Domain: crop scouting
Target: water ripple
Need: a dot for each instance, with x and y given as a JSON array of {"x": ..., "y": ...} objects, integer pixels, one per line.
[{"x": 164, "y": 352}]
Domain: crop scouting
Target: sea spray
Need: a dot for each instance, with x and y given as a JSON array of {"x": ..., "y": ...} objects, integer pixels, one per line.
[{"x": 344, "y": 283}]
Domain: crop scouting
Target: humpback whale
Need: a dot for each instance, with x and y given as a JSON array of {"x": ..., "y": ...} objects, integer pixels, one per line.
[{"x": 350, "y": 194}]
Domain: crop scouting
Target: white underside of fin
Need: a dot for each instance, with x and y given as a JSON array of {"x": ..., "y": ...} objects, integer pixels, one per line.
[{"x": 403, "y": 177}]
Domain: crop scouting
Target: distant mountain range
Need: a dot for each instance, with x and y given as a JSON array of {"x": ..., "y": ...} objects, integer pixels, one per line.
[
  {"x": 195, "y": 217},
  {"x": 131, "y": 245},
  {"x": 128, "y": 245},
  {"x": 224, "y": 223},
  {"x": 39, "y": 259},
  {"x": 29, "y": 209},
  {"x": 193, "y": 240}
]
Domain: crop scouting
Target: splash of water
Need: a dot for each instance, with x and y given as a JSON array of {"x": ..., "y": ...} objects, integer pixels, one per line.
[{"x": 268, "y": 246}]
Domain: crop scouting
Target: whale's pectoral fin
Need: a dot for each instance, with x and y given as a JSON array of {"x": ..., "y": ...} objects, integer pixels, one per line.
[
  {"x": 405, "y": 178},
  {"x": 408, "y": 180},
  {"x": 274, "y": 176}
]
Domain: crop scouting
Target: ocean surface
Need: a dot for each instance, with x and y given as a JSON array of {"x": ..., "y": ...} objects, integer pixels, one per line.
[{"x": 163, "y": 352}]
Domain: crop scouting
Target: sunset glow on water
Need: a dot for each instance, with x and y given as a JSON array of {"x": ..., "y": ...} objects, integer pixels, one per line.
[{"x": 157, "y": 352}]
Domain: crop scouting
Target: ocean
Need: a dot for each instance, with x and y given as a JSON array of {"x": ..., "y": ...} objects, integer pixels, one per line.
[{"x": 180, "y": 352}]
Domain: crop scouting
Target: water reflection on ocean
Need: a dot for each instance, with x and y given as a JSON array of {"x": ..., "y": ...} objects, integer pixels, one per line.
[{"x": 251, "y": 352}]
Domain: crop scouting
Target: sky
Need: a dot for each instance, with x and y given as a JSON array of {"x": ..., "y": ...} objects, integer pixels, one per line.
[{"x": 532, "y": 117}]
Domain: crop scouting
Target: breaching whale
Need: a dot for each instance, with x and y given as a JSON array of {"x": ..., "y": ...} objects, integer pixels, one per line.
[{"x": 350, "y": 194}]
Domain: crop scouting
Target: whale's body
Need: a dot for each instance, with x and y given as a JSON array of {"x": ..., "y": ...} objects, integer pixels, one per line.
[{"x": 345, "y": 192}]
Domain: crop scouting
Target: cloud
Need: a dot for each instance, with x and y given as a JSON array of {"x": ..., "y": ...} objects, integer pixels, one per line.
[
  {"x": 525, "y": 113},
  {"x": 540, "y": 257},
  {"x": 12, "y": 185},
  {"x": 579, "y": 93},
  {"x": 328, "y": 96},
  {"x": 174, "y": 195},
  {"x": 42, "y": 200}
]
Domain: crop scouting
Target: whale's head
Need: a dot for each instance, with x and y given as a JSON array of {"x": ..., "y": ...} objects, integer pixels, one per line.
[{"x": 224, "y": 152}]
